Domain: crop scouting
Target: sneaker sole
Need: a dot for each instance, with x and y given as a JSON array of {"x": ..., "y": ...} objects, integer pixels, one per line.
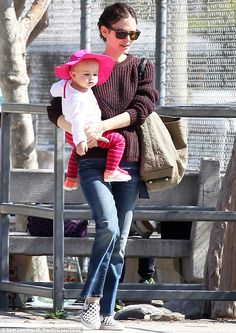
[
  {"x": 70, "y": 188},
  {"x": 117, "y": 180},
  {"x": 95, "y": 326},
  {"x": 111, "y": 328}
]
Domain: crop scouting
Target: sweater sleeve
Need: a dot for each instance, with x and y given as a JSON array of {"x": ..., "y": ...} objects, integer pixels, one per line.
[
  {"x": 54, "y": 110},
  {"x": 146, "y": 96}
]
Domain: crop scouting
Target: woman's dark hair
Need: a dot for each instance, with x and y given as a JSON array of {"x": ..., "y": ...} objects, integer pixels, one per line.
[{"x": 114, "y": 13}]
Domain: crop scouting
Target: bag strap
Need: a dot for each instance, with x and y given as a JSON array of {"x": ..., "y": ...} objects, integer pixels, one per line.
[
  {"x": 141, "y": 68},
  {"x": 143, "y": 192}
]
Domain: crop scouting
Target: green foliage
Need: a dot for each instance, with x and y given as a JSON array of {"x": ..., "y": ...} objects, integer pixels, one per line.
[{"x": 59, "y": 314}]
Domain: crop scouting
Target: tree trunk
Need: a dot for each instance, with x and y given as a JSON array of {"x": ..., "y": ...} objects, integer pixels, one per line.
[
  {"x": 14, "y": 83},
  {"x": 228, "y": 274},
  {"x": 15, "y": 33},
  {"x": 220, "y": 269}
]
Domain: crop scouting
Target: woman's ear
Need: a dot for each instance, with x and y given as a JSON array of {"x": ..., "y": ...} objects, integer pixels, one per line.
[{"x": 104, "y": 31}]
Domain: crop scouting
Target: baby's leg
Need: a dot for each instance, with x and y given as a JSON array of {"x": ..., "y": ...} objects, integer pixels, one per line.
[{"x": 116, "y": 147}]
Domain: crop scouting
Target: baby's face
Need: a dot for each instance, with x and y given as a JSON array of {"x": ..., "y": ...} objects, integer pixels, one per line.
[{"x": 85, "y": 73}]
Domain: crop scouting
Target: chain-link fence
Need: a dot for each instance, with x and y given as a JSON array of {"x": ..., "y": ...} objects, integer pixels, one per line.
[
  {"x": 191, "y": 42},
  {"x": 200, "y": 69}
]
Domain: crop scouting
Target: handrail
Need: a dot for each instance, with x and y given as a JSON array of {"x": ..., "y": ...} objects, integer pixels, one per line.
[
  {"x": 200, "y": 110},
  {"x": 58, "y": 292}
]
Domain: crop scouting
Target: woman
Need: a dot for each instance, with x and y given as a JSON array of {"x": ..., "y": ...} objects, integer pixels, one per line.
[{"x": 125, "y": 103}]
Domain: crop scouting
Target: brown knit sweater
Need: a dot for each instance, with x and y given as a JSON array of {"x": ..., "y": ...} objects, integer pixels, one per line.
[{"x": 123, "y": 92}]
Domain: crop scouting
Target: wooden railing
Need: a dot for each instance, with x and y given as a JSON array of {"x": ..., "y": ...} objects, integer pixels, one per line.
[{"x": 178, "y": 204}]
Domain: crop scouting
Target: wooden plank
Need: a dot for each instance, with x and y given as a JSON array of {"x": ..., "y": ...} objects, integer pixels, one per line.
[
  {"x": 146, "y": 293},
  {"x": 24, "y": 108},
  {"x": 156, "y": 213},
  {"x": 37, "y": 186},
  {"x": 136, "y": 247},
  {"x": 199, "y": 111}
]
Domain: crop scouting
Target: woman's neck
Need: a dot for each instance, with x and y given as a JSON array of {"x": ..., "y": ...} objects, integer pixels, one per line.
[{"x": 117, "y": 57}]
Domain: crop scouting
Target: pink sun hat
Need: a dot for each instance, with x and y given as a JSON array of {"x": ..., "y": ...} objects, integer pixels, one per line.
[{"x": 106, "y": 65}]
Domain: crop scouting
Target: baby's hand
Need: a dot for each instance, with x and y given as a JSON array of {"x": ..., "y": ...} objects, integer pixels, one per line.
[
  {"x": 94, "y": 133},
  {"x": 81, "y": 148}
]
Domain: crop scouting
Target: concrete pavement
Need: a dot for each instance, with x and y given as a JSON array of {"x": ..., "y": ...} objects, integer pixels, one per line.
[
  {"x": 141, "y": 326},
  {"x": 31, "y": 320}
]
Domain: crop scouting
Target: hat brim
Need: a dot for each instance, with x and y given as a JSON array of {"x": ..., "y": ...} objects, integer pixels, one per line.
[{"x": 106, "y": 65}]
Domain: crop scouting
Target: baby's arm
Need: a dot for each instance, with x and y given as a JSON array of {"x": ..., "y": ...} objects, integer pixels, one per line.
[
  {"x": 76, "y": 116},
  {"x": 77, "y": 119}
]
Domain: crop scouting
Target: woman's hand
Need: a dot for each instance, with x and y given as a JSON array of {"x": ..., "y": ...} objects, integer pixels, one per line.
[{"x": 94, "y": 133}]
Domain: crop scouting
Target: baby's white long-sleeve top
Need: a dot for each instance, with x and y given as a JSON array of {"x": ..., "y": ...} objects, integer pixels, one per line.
[{"x": 79, "y": 108}]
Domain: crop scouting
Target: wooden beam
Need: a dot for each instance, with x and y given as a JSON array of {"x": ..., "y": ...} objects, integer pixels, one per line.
[{"x": 81, "y": 247}]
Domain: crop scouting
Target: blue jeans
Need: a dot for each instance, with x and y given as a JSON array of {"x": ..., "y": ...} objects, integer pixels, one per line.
[{"x": 112, "y": 206}]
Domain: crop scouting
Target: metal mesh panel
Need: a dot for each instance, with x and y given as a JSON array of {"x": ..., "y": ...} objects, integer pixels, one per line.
[
  {"x": 200, "y": 69},
  {"x": 41, "y": 69},
  {"x": 201, "y": 52},
  {"x": 146, "y": 12},
  {"x": 62, "y": 37},
  {"x": 200, "y": 62},
  {"x": 63, "y": 33},
  {"x": 52, "y": 47}
]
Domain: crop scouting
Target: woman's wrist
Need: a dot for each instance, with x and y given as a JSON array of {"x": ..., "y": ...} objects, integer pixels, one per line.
[
  {"x": 104, "y": 126},
  {"x": 120, "y": 121}
]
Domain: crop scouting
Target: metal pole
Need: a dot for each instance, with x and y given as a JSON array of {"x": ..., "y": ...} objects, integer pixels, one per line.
[
  {"x": 58, "y": 222},
  {"x": 5, "y": 197},
  {"x": 161, "y": 33},
  {"x": 85, "y": 24}
]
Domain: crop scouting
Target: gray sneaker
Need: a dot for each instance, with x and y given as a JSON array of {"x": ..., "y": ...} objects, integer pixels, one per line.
[
  {"x": 109, "y": 323},
  {"x": 90, "y": 316}
]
